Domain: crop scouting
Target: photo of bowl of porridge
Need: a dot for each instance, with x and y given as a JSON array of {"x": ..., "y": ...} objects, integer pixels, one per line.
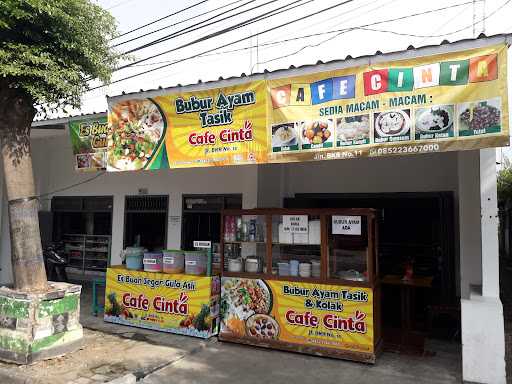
[{"x": 392, "y": 123}]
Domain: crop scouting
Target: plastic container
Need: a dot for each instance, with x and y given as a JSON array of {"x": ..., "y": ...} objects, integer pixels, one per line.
[
  {"x": 305, "y": 270},
  {"x": 195, "y": 262},
  {"x": 315, "y": 268},
  {"x": 235, "y": 265},
  {"x": 173, "y": 261},
  {"x": 133, "y": 257},
  {"x": 153, "y": 262},
  {"x": 252, "y": 265},
  {"x": 294, "y": 267},
  {"x": 284, "y": 269}
]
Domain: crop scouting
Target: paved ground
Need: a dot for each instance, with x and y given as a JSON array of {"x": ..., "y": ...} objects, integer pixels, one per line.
[
  {"x": 216, "y": 362},
  {"x": 506, "y": 299},
  {"x": 112, "y": 351},
  {"x": 103, "y": 358},
  {"x": 231, "y": 363}
]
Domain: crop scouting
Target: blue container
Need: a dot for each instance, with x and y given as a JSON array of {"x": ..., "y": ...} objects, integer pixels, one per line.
[{"x": 134, "y": 257}]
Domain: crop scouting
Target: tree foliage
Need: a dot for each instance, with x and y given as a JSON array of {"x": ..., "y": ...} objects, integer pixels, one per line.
[
  {"x": 49, "y": 49},
  {"x": 504, "y": 184}
]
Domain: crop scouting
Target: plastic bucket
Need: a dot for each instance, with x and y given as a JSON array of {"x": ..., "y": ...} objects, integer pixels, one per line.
[
  {"x": 152, "y": 262},
  {"x": 173, "y": 261},
  {"x": 315, "y": 268},
  {"x": 284, "y": 269},
  {"x": 195, "y": 263},
  {"x": 133, "y": 257}
]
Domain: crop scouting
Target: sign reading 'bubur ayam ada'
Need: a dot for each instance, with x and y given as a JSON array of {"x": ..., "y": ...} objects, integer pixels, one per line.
[{"x": 450, "y": 101}]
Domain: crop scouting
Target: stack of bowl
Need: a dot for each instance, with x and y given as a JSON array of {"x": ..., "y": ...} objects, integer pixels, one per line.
[
  {"x": 294, "y": 267},
  {"x": 284, "y": 269},
  {"x": 305, "y": 270},
  {"x": 315, "y": 268}
]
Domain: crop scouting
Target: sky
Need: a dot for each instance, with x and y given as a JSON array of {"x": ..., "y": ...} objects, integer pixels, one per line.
[{"x": 268, "y": 50}]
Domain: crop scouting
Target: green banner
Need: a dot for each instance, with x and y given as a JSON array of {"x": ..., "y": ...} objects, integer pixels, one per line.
[{"x": 89, "y": 142}]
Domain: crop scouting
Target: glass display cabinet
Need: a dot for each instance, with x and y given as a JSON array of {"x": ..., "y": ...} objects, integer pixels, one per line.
[{"x": 302, "y": 280}]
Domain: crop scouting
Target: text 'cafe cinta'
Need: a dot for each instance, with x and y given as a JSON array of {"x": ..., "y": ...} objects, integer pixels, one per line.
[{"x": 334, "y": 209}]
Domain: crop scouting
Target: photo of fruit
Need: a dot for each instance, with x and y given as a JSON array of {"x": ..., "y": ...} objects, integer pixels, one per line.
[{"x": 317, "y": 134}]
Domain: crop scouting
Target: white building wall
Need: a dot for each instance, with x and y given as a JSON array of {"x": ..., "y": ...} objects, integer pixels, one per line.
[
  {"x": 267, "y": 185},
  {"x": 263, "y": 186},
  {"x": 54, "y": 170},
  {"x": 420, "y": 173}
]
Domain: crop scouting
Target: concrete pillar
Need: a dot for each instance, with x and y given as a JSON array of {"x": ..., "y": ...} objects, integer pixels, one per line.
[
  {"x": 483, "y": 337},
  {"x": 469, "y": 221},
  {"x": 174, "y": 220},
  {"x": 489, "y": 224},
  {"x": 117, "y": 229}
]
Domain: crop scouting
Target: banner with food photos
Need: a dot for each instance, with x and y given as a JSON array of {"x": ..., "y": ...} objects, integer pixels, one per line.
[
  {"x": 211, "y": 127},
  {"x": 267, "y": 312},
  {"x": 89, "y": 143},
  {"x": 446, "y": 102}
]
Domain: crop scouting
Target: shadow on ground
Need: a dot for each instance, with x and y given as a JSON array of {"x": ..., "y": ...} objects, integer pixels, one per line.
[
  {"x": 216, "y": 362},
  {"x": 506, "y": 299}
]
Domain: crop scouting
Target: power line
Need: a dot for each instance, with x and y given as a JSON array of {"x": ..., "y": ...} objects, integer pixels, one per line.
[
  {"x": 280, "y": 26},
  {"x": 296, "y": 38},
  {"x": 162, "y": 18},
  {"x": 222, "y": 31},
  {"x": 188, "y": 30},
  {"x": 268, "y": 43},
  {"x": 218, "y": 33},
  {"x": 236, "y": 27},
  {"x": 315, "y": 45},
  {"x": 235, "y": 42},
  {"x": 365, "y": 27},
  {"x": 188, "y": 19},
  {"x": 71, "y": 186},
  {"x": 119, "y": 4},
  {"x": 447, "y": 22}
]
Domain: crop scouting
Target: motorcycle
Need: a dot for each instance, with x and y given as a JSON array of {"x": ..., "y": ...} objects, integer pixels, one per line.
[{"x": 55, "y": 264}]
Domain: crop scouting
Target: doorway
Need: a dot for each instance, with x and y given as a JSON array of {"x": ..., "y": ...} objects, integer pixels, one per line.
[
  {"x": 201, "y": 217},
  {"x": 413, "y": 227},
  {"x": 145, "y": 222}
]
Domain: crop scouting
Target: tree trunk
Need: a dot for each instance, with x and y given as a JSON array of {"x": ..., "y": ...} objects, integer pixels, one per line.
[{"x": 16, "y": 115}]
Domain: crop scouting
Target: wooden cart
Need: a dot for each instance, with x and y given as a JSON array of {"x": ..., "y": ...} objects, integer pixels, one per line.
[{"x": 329, "y": 306}]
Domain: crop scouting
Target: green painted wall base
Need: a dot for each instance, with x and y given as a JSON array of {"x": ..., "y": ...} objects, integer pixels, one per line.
[{"x": 36, "y": 326}]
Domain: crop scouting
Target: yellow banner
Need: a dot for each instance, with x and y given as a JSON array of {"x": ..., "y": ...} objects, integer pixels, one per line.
[
  {"x": 213, "y": 127},
  {"x": 446, "y": 102},
  {"x": 315, "y": 315},
  {"x": 182, "y": 304}
]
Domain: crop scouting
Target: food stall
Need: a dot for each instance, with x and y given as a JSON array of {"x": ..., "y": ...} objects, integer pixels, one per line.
[
  {"x": 303, "y": 280},
  {"x": 172, "y": 291}
]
